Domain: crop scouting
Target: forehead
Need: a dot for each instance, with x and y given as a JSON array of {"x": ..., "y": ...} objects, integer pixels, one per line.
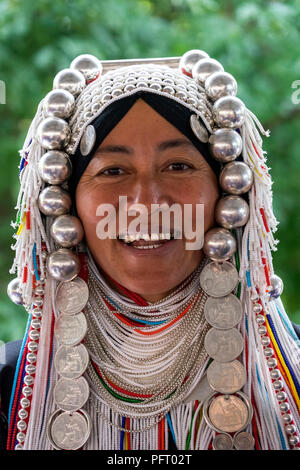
[{"x": 140, "y": 122}]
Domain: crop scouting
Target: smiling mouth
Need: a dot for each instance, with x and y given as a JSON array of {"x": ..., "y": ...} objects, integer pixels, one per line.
[{"x": 146, "y": 241}]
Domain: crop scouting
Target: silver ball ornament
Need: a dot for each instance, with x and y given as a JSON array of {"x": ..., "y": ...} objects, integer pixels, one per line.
[
  {"x": 229, "y": 111},
  {"x": 30, "y": 369},
  {"x": 27, "y": 391},
  {"x": 287, "y": 418},
  {"x": 220, "y": 84},
  {"x": 204, "y": 68},
  {"x": 67, "y": 231},
  {"x": 88, "y": 65},
  {"x": 53, "y": 133},
  {"x": 25, "y": 403},
  {"x": 290, "y": 428},
  {"x": 189, "y": 59},
  {"x": 268, "y": 352},
  {"x": 13, "y": 292},
  {"x": 265, "y": 341},
  {"x": 276, "y": 287},
  {"x": 257, "y": 308},
  {"x": 55, "y": 167},
  {"x": 275, "y": 373},
  {"x": 262, "y": 330},
  {"x": 37, "y": 312},
  {"x": 63, "y": 265},
  {"x": 236, "y": 178},
  {"x": 34, "y": 335},
  {"x": 59, "y": 103},
  {"x": 278, "y": 385},
  {"x": 54, "y": 201},
  {"x": 281, "y": 396},
  {"x": 225, "y": 145},
  {"x": 232, "y": 212},
  {"x": 23, "y": 414},
  {"x": 219, "y": 244},
  {"x": 260, "y": 319},
  {"x": 284, "y": 407},
  {"x": 294, "y": 440},
  {"x": 21, "y": 425},
  {"x": 71, "y": 80},
  {"x": 21, "y": 438},
  {"x": 272, "y": 362}
]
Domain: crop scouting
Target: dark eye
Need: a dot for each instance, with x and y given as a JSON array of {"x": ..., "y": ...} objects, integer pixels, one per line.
[
  {"x": 179, "y": 166},
  {"x": 114, "y": 171}
]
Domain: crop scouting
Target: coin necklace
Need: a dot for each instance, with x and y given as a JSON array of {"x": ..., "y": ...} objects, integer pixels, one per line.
[
  {"x": 136, "y": 365},
  {"x": 227, "y": 410},
  {"x": 69, "y": 426}
]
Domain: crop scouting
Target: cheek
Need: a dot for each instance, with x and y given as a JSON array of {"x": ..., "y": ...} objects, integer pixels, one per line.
[
  {"x": 206, "y": 192},
  {"x": 88, "y": 197}
]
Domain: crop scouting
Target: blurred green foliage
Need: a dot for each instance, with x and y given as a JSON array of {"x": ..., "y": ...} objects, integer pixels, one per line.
[{"x": 256, "y": 41}]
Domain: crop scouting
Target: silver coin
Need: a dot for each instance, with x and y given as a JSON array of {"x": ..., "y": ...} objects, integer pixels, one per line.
[
  {"x": 88, "y": 140},
  {"x": 198, "y": 128},
  {"x": 228, "y": 413},
  {"x": 72, "y": 296},
  {"x": 69, "y": 431},
  {"x": 71, "y": 394},
  {"x": 243, "y": 441},
  {"x": 218, "y": 279},
  {"x": 223, "y": 345},
  {"x": 226, "y": 377},
  {"x": 70, "y": 329},
  {"x": 222, "y": 442},
  {"x": 223, "y": 312},
  {"x": 71, "y": 362}
]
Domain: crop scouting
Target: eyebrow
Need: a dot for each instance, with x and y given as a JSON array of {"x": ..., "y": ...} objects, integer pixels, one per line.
[{"x": 167, "y": 144}]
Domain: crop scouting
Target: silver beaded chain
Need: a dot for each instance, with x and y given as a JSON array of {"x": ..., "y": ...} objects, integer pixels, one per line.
[{"x": 180, "y": 347}]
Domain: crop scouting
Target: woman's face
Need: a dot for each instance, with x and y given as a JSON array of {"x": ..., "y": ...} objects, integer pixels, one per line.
[{"x": 148, "y": 160}]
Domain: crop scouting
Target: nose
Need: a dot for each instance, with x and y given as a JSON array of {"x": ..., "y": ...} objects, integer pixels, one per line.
[
  {"x": 149, "y": 189},
  {"x": 143, "y": 193}
]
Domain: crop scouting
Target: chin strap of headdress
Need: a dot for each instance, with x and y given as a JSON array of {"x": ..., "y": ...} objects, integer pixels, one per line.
[{"x": 48, "y": 236}]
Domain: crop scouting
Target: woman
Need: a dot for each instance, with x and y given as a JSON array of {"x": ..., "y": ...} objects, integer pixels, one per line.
[{"x": 155, "y": 315}]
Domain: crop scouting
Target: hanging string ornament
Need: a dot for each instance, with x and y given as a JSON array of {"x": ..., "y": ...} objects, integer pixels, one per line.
[{"x": 249, "y": 336}]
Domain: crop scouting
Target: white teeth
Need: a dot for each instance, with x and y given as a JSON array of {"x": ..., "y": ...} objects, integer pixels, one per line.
[
  {"x": 129, "y": 238},
  {"x": 146, "y": 247},
  {"x": 155, "y": 236}
]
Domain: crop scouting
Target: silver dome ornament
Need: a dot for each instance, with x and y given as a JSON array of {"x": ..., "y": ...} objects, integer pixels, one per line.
[
  {"x": 63, "y": 265},
  {"x": 229, "y": 111},
  {"x": 59, "y": 103},
  {"x": 225, "y": 145},
  {"x": 189, "y": 59},
  {"x": 67, "y": 231},
  {"x": 55, "y": 167},
  {"x": 199, "y": 129},
  {"x": 53, "y": 133},
  {"x": 54, "y": 201},
  {"x": 13, "y": 292},
  {"x": 276, "y": 287},
  {"x": 232, "y": 212},
  {"x": 71, "y": 80},
  {"x": 88, "y": 65},
  {"x": 204, "y": 68},
  {"x": 219, "y": 244},
  {"x": 236, "y": 178},
  {"x": 88, "y": 140},
  {"x": 220, "y": 84}
]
